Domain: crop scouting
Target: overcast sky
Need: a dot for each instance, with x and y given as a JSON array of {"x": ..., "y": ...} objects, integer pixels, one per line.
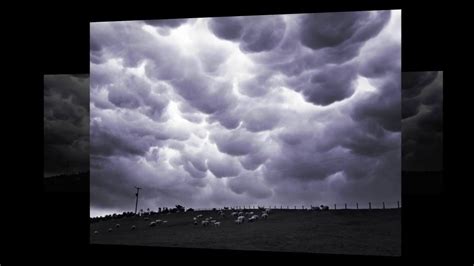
[
  {"x": 422, "y": 122},
  {"x": 66, "y": 124},
  {"x": 279, "y": 109}
]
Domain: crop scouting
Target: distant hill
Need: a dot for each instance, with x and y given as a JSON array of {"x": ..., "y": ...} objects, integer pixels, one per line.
[{"x": 67, "y": 183}]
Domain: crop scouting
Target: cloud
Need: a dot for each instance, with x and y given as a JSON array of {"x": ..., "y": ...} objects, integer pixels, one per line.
[
  {"x": 422, "y": 123},
  {"x": 326, "y": 30},
  {"x": 254, "y": 33},
  {"x": 66, "y": 124}
]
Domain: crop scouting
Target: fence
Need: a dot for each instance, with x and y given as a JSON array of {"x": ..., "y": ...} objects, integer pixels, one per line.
[{"x": 335, "y": 206}]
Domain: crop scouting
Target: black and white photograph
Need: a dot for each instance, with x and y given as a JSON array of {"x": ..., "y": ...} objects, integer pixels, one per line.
[{"x": 268, "y": 133}]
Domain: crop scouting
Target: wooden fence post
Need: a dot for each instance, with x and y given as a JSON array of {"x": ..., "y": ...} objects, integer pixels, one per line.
[
  {"x": 370, "y": 206},
  {"x": 334, "y": 206},
  {"x": 398, "y": 204},
  {"x": 345, "y": 206},
  {"x": 357, "y": 205},
  {"x": 383, "y": 205}
]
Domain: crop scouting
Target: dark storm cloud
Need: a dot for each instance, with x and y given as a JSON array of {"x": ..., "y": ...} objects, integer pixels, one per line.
[
  {"x": 170, "y": 23},
  {"x": 66, "y": 124},
  {"x": 324, "y": 30},
  {"x": 383, "y": 69},
  {"x": 422, "y": 137},
  {"x": 284, "y": 109},
  {"x": 330, "y": 84},
  {"x": 254, "y": 33},
  {"x": 236, "y": 142}
]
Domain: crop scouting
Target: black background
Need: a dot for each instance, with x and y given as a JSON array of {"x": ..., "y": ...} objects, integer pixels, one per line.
[{"x": 62, "y": 226}]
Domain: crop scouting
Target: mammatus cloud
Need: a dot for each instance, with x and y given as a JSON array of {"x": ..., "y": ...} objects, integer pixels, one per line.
[
  {"x": 279, "y": 109},
  {"x": 422, "y": 122},
  {"x": 66, "y": 124}
]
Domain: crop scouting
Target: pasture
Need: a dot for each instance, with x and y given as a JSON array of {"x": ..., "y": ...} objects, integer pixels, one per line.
[{"x": 357, "y": 232}]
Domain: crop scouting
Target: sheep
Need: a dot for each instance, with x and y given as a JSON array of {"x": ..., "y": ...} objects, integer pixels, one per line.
[
  {"x": 267, "y": 210},
  {"x": 152, "y": 224},
  {"x": 195, "y": 222},
  {"x": 264, "y": 215},
  {"x": 133, "y": 227},
  {"x": 234, "y": 214},
  {"x": 158, "y": 221},
  {"x": 96, "y": 232},
  {"x": 217, "y": 224},
  {"x": 199, "y": 216},
  {"x": 253, "y": 218},
  {"x": 164, "y": 222},
  {"x": 210, "y": 218},
  {"x": 194, "y": 218},
  {"x": 117, "y": 225},
  {"x": 205, "y": 223},
  {"x": 238, "y": 221},
  {"x": 240, "y": 213},
  {"x": 213, "y": 221},
  {"x": 110, "y": 230},
  {"x": 250, "y": 213},
  {"x": 146, "y": 218},
  {"x": 315, "y": 208}
]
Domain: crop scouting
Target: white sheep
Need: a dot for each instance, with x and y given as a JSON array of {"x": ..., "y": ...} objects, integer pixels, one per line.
[
  {"x": 213, "y": 221},
  {"x": 234, "y": 214},
  {"x": 195, "y": 222},
  {"x": 238, "y": 221},
  {"x": 158, "y": 221},
  {"x": 117, "y": 225},
  {"x": 205, "y": 223},
  {"x": 164, "y": 222},
  {"x": 199, "y": 216},
  {"x": 217, "y": 224},
  {"x": 146, "y": 218},
  {"x": 253, "y": 218},
  {"x": 267, "y": 210},
  {"x": 194, "y": 218},
  {"x": 152, "y": 224},
  {"x": 96, "y": 232},
  {"x": 264, "y": 215},
  {"x": 133, "y": 227},
  {"x": 110, "y": 230}
]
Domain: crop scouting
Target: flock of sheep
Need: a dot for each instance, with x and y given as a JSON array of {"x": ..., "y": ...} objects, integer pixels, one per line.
[{"x": 241, "y": 217}]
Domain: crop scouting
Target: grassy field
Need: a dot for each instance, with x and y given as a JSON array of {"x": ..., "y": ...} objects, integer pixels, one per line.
[{"x": 359, "y": 232}]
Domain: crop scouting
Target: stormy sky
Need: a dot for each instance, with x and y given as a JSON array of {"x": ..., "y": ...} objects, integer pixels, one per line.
[
  {"x": 422, "y": 124},
  {"x": 276, "y": 109},
  {"x": 66, "y": 124}
]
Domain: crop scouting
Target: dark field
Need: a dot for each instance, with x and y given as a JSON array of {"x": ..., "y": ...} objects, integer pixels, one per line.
[{"x": 358, "y": 232}]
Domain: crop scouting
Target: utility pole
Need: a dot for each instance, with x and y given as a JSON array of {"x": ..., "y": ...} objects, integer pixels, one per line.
[{"x": 136, "y": 202}]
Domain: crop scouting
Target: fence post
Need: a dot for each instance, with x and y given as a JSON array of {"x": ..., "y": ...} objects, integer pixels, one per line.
[
  {"x": 295, "y": 207},
  {"x": 281, "y": 207},
  {"x": 345, "y": 206},
  {"x": 302, "y": 206},
  {"x": 334, "y": 206},
  {"x": 383, "y": 205},
  {"x": 357, "y": 205},
  {"x": 398, "y": 204},
  {"x": 370, "y": 206},
  {"x": 287, "y": 207}
]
